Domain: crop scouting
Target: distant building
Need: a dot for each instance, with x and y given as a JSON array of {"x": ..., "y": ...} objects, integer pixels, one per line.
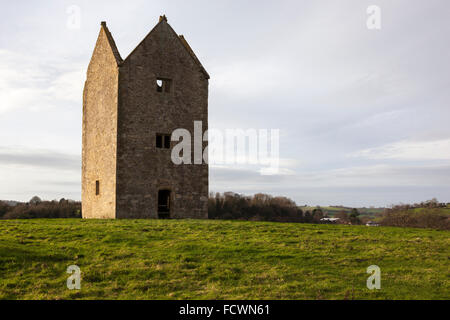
[
  {"x": 329, "y": 220},
  {"x": 372, "y": 224}
]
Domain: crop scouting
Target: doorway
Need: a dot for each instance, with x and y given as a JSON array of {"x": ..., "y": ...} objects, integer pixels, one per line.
[{"x": 164, "y": 204}]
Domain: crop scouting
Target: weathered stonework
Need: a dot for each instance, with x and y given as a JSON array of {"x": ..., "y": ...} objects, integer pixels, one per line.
[{"x": 123, "y": 112}]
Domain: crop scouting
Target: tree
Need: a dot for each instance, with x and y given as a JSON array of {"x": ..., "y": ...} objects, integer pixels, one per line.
[
  {"x": 35, "y": 200},
  {"x": 354, "y": 216},
  {"x": 317, "y": 214},
  {"x": 433, "y": 203},
  {"x": 342, "y": 215},
  {"x": 4, "y": 208},
  {"x": 307, "y": 216},
  {"x": 354, "y": 213}
]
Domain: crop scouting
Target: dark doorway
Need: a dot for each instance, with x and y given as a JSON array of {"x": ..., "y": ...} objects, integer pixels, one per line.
[{"x": 164, "y": 204}]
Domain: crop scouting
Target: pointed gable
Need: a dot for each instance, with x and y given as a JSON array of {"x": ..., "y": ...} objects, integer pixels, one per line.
[
  {"x": 180, "y": 39},
  {"x": 112, "y": 43},
  {"x": 191, "y": 52},
  {"x": 105, "y": 50}
]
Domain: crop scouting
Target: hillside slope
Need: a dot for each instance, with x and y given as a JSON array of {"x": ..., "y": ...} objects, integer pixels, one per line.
[{"x": 194, "y": 259}]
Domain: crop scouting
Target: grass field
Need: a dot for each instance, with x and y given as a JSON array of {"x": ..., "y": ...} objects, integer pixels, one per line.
[
  {"x": 193, "y": 259},
  {"x": 440, "y": 210}
]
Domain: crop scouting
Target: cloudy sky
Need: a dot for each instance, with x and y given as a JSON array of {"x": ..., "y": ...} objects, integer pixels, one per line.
[{"x": 363, "y": 114}]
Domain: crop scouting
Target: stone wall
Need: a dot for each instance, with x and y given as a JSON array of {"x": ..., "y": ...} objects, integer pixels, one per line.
[
  {"x": 123, "y": 112},
  {"x": 142, "y": 169},
  {"x": 100, "y": 131}
]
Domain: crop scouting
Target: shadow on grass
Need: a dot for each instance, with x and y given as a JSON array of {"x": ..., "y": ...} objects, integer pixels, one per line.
[{"x": 13, "y": 254}]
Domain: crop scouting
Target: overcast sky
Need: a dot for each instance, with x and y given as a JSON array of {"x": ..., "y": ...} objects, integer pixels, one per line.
[{"x": 363, "y": 114}]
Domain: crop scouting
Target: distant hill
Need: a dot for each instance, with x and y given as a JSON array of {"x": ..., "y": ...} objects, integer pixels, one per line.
[
  {"x": 445, "y": 210},
  {"x": 332, "y": 210},
  {"x": 11, "y": 202}
]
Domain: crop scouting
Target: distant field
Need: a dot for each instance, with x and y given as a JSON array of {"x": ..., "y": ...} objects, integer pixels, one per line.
[
  {"x": 440, "y": 210},
  {"x": 195, "y": 259},
  {"x": 370, "y": 212},
  {"x": 331, "y": 211}
]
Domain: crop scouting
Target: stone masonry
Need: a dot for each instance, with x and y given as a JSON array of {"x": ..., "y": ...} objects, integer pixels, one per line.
[{"x": 127, "y": 106}]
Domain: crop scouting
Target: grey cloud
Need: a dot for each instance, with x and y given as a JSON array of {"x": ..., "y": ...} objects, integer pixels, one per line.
[
  {"x": 379, "y": 185},
  {"x": 62, "y": 183},
  {"x": 309, "y": 68},
  {"x": 39, "y": 158}
]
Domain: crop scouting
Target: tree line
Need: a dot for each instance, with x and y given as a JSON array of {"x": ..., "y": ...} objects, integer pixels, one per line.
[
  {"x": 430, "y": 215},
  {"x": 226, "y": 206},
  {"x": 37, "y": 208},
  {"x": 259, "y": 207}
]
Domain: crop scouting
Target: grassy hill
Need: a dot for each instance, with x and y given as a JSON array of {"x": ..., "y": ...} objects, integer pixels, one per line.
[
  {"x": 194, "y": 259},
  {"x": 333, "y": 210},
  {"x": 445, "y": 210}
]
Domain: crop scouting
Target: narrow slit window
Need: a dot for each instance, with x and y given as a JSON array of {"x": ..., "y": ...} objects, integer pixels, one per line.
[
  {"x": 159, "y": 141},
  {"x": 97, "y": 188},
  {"x": 162, "y": 141},
  {"x": 167, "y": 141},
  {"x": 163, "y": 85}
]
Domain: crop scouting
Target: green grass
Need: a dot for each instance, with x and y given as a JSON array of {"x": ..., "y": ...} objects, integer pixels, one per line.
[
  {"x": 445, "y": 210},
  {"x": 201, "y": 259}
]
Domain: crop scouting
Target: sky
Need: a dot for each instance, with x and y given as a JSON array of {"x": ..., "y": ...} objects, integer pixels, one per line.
[{"x": 363, "y": 113}]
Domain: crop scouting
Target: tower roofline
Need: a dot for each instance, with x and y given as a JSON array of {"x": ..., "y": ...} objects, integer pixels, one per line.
[
  {"x": 191, "y": 53},
  {"x": 184, "y": 43},
  {"x": 112, "y": 43}
]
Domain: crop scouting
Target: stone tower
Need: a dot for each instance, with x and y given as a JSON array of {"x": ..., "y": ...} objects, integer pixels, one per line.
[{"x": 130, "y": 109}]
